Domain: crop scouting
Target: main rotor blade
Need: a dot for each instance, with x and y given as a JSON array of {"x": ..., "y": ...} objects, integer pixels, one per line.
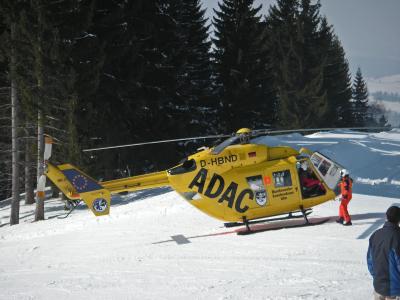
[
  {"x": 267, "y": 131},
  {"x": 255, "y": 133},
  {"x": 158, "y": 142}
]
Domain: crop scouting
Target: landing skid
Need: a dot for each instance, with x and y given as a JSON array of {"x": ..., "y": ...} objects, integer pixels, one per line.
[
  {"x": 288, "y": 217},
  {"x": 263, "y": 229},
  {"x": 74, "y": 204},
  {"x": 254, "y": 229}
]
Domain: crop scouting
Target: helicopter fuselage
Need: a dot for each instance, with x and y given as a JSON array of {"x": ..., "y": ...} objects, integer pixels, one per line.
[
  {"x": 228, "y": 182},
  {"x": 251, "y": 181}
]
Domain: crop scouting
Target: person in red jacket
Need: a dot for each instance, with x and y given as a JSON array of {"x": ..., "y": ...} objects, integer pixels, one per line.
[{"x": 346, "y": 187}]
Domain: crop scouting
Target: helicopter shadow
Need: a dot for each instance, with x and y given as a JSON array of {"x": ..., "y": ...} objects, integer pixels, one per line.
[
  {"x": 123, "y": 199},
  {"x": 288, "y": 224}
]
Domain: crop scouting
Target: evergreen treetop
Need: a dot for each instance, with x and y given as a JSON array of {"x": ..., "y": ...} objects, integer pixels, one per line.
[
  {"x": 241, "y": 66},
  {"x": 360, "y": 100}
]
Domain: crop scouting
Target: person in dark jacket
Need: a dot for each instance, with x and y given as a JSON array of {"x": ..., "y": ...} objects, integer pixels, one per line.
[{"x": 383, "y": 257}]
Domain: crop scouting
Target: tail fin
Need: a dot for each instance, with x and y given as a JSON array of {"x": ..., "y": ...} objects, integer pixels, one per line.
[{"x": 77, "y": 185}]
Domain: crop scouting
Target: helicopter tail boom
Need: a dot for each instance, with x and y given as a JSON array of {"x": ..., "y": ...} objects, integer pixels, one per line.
[
  {"x": 75, "y": 184},
  {"x": 136, "y": 183}
]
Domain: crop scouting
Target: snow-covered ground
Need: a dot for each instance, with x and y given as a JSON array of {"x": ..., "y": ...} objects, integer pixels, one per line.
[{"x": 153, "y": 245}]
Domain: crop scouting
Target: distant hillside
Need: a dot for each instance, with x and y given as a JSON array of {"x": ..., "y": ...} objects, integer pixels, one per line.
[
  {"x": 385, "y": 96},
  {"x": 388, "y": 84}
]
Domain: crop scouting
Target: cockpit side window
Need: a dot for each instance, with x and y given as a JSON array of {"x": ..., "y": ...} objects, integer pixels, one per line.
[{"x": 282, "y": 178}]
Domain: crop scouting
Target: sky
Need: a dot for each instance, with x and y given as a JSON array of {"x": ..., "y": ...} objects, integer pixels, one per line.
[{"x": 369, "y": 31}]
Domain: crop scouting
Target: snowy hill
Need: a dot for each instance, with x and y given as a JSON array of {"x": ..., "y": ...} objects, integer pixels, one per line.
[
  {"x": 155, "y": 246},
  {"x": 389, "y": 84}
]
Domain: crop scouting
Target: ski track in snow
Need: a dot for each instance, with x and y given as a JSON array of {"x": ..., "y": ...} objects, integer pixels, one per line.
[{"x": 130, "y": 254}]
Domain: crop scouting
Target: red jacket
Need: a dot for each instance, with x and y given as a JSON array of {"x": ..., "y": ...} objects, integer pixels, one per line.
[
  {"x": 309, "y": 182},
  {"x": 346, "y": 186}
]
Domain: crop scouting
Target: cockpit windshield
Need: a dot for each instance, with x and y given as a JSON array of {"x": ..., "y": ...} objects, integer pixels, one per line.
[
  {"x": 327, "y": 169},
  {"x": 231, "y": 141}
]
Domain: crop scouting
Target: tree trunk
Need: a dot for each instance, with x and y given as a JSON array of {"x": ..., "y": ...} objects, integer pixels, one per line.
[
  {"x": 14, "y": 216},
  {"x": 40, "y": 197},
  {"x": 39, "y": 212},
  {"x": 29, "y": 194}
]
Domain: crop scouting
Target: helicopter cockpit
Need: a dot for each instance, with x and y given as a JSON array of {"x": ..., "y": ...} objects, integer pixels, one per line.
[
  {"x": 324, "y": 167},
  {"x": 310, "y": 184}
]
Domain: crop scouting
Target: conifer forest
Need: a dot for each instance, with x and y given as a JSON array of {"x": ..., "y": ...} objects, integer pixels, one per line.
[{"x": 95, "y": 73}]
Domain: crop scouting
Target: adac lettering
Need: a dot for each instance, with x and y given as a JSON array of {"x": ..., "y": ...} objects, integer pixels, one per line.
[
  {"x": 218, "y": 160},
  {"x": 216, "y": 189}
]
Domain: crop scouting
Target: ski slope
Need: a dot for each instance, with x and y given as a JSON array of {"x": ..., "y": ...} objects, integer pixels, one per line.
[{"x": 156, "y": 246}]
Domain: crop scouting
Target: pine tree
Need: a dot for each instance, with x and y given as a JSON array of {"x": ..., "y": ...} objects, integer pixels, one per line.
[
  {"x": 5, "y": 160},
  {"x": 241, "y": 67},
  {"x": 137, "y": 89},
  {"x": 10, "y": 13},
  {"x": 298, "y": 66},
  {"x": 37, "y": 73},
  {"x": 48, "y": 70},
  {"x": 337, "y": 79},
  {"x": 80, "y": 57},
  {"x": 360, "y": 100},
  {"x": 382, "y": 121},
  {"x": 192, "y": 63}
]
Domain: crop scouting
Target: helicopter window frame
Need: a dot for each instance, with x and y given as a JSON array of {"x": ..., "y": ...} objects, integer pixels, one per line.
[
  {"x": 324, "y": 167},
  {"x": 286, "y": 180}
]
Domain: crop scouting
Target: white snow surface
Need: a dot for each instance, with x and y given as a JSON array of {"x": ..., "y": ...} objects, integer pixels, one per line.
[
  {"x": 131, "y": 255},
  {"x": 153, "y": 245}
]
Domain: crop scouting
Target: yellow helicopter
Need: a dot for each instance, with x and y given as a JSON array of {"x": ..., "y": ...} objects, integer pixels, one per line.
[{"x": 236, "y": 181}]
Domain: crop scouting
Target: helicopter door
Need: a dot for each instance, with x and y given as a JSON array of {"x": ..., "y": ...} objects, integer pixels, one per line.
[
  {"x": 283, "y": 187},
  {"x": 328, "y": 170}
]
